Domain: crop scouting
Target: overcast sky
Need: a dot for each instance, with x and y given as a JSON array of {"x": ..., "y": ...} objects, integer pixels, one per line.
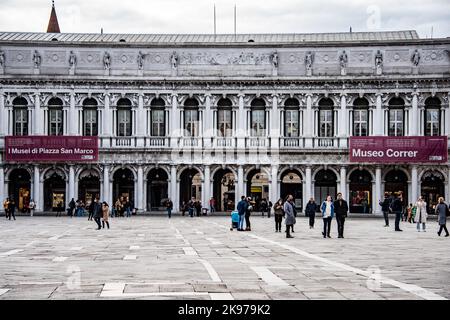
[{"x": 253, "y": 16}]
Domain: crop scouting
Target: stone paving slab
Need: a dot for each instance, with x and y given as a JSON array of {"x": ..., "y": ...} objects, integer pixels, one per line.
[{"x": 63, "y": 258}]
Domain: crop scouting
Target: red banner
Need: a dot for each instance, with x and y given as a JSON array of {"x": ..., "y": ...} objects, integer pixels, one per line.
[
  {"x": 399, "y": 149},
  {"x": 51, "y": 148}
]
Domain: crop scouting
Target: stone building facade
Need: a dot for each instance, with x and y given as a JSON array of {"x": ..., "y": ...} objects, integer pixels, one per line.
[{"x": 222, "y": 116}]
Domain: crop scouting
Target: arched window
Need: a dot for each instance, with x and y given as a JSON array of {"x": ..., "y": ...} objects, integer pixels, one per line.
[
  {"x": 224, "y": 118},
  {"x": 360, "y": 117},
  {"x": 90, "y": 117},
  {"x": 20, "y": 115},
  {"x": 191, "y": 117},
  {"x": 258, "y": 118},
  {"x": 55, "y": 117},
  {"x": 158, "y": 120},
  {"x": 124, "y": 121},
  {"x": 432, "y": 117},
  {"x": 291, "y": 118},
  {"x": 326, "y": 118},
  {"x": 396, "y": 117}
]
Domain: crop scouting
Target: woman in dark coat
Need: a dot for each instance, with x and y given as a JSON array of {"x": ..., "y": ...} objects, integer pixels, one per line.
[
  {"x": 441, "y": 211},
  {"x": 278, "y": 208},
  {"x": 310, "y": 211}
]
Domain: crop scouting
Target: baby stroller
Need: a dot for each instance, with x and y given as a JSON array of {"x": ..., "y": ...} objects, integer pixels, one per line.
[{"x": 234, "y": 220}]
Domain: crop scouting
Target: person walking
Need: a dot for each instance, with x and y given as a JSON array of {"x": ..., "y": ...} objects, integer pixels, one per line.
[
  {"x": 278, "y": 213},
  {"x": 289, "y": 213},
  {"x": 72, "y": 206},
  {"x": 169, "y": 207},
  {"x": 311, "y": 208},
  {"x": 12, "y": 208},
  {"x": 6, "y": 207},
  {"x": 442, "y": 212},
  {"x": 421, "y": 214},
  {"x": 248, "y": 212},
  {"x": 385, "y": 208},
  {"x": 91, "y": 210},
  {"x": 127, "y": 207},
  {"x": 327, "y": 209},
  {"x": 396, "y": 207},
  {"x": 98, "y": 213},
  {"x": 269, "y": 209},
  {"x": 212, "y": 205},
  {"x": 119, "y": 210},
  {"x": 105, "y": 212},
  {"x": 32, "y": 207},
  {"x": 59, "y": 209},
  {"x": 264, "y": 206},
  {"x": 242, "y": 209},
  {"x": 341, "y": 210},
  {"x": 190, "y": 206}
]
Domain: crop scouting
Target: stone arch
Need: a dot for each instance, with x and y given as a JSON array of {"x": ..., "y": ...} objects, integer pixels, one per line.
[
  {"x": 217, "y": 168},
  {"x": 389, "y": 169},
  {"x": 131, "y": 167},
  {"x": 349, "y": 173},
  {"x": 56, "y": 169},
  {"x": 12, "y": 168},
  {"x": 179, "y": 173},
  {"x": 438, "y": 170},
  {"x": 314, "y": 173},
  {"x": 284, "y": 169},
  {"x": 165, "y": 168}
]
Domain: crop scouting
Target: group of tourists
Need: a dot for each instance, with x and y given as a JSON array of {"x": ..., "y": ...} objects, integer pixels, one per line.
[
  {"x": 192, "y": 206},
  {"x": 414, "y": 213}
]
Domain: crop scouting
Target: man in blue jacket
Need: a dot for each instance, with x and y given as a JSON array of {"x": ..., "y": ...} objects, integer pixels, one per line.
[{"x": 242, "y": 209}]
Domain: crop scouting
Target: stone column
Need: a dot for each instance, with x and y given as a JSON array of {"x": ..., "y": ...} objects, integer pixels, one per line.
[
  {"x": 208, "y": 121},
  {"x": 378, "y": 193},
  {"x": 105, "y": 131},
  {"x": 38, "y": 118},
  {"x": 206, "y": 186},
  {"x": 343, "y": 182},
  {"x": 37, "y": 188},
  {"x": 141, "y": 121},
  {"x": 275, "y": 125},
  {"x": 343, "y": 125},
  {"x": 241, "y": 129},
  {"x": 448, "y": 184},
  {"x": 173, "y": 188},
  {"x": 274, "y": 196},
  {"x": 378, "y": 119},
  {"x": 106, "y": 191},
  {"x": 240, "y": 184},
  {"x": 73, "y": 117},
  {"x": 309, "y": 123},
  {"x": 2, "y": 185},
  {"x": 446, "y": 120},
  {"x": 308, "y": 185},
  {"x": 175, "y": 127},
  {"x": 71, "y": 193},
  {"x": 140, "y": 187},
  {"x": 414, "y": 125},
  {"x": 414, "y": 184},
  {"x": 3, "y": 119}
]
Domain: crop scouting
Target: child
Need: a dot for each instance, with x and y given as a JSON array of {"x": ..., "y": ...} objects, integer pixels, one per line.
[{"x": 234, "y": 220}]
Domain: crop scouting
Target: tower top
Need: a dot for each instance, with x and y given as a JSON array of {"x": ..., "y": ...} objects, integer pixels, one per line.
[{"x": 53, "y": 26}]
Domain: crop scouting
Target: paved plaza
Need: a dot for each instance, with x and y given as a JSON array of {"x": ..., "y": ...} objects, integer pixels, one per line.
[{"x": 200, "y": 258}]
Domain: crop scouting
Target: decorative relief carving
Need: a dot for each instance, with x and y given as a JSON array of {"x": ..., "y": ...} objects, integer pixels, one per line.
[
  {"x": 244, "y": 58},
  {"x": 431, "y": 55},
  {"x": 19, "y": 56},
  {"x": 360, "y": 56},
  {"x": 54, "y": 57},
  {"x": 90, "y": 57}
]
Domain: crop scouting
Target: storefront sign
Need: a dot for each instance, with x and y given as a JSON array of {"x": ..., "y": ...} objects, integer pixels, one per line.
[
  {"x": 51, "y": 148},
  {"x": 399, "y": 149}
]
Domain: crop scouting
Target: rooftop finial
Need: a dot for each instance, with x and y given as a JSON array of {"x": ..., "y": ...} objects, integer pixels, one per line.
[{"x": 53, "y": 26}]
